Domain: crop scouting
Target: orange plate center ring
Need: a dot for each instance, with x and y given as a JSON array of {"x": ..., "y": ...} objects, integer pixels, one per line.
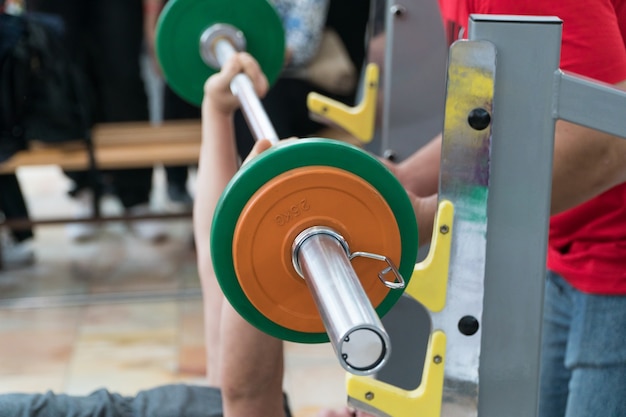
[{"x": 292, "y": 202}]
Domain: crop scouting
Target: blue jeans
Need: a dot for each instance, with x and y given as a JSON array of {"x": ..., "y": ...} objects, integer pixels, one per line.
[{"x": 583, "y": 366}]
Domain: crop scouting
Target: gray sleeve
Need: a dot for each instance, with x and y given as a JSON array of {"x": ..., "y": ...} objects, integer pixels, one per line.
[
  {"x": 304, "y": 22},
  {"x": 178, "y": 400},
  {"x": 100, "y": 403}
]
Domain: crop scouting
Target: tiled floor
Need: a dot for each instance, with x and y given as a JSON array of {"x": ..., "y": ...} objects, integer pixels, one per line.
[{"x": 120, "y": 313}]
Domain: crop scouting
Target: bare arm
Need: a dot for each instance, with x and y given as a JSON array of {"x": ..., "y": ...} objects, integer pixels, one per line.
[
  {"x": 419, "y": 173},
  {"x": 586, "y": 163},
  {"x": 244, "y": 362},
  {"x": 218, "y": 162}
]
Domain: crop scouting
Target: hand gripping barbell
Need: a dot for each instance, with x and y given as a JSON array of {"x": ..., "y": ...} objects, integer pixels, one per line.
[{"x": 286, "y": 224}]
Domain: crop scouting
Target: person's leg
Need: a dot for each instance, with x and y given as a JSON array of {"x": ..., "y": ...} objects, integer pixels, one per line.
[
  {"x": 596, "y": 356},
  {"x": 13, "y": 205},
  {"x": 115, "y": 52},
  {"x": 554, "y": 376},
  {"x": 177, "y": 184},
  {"x": 17, "y": 246},
  {"x": 73, "y": 14},
  {"x": 597, "y": 391},
  {"x": 175, "y": 108}
]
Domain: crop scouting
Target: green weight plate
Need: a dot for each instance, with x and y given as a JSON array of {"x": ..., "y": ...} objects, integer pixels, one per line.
[
  {"x": 279, "y": 159},
  {"x": 182, "y": 22}
]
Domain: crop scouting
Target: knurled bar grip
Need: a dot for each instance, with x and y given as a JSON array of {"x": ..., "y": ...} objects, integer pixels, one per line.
[
  {"x": 242, "y": 88},
  {"x": 361, "y": 344}
]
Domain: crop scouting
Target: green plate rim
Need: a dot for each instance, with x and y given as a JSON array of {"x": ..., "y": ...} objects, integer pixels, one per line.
[
  {"x": 282, "y": 158},
  {"x": 187, "y": 79}
]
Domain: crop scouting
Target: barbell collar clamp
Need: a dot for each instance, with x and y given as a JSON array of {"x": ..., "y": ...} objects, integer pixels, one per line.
[
  {"x": 307, "y": 233},
  {"x": 397, "y": 283},
  {"x": 218, "y": 32},
  {"x": 322, "y": 257}
]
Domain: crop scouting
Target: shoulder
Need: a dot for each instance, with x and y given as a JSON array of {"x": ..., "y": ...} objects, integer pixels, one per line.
[{"x": 592, "y": 39}]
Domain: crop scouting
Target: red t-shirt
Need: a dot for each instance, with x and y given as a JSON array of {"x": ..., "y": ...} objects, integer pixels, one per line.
[{"x": 587, "y": 244}]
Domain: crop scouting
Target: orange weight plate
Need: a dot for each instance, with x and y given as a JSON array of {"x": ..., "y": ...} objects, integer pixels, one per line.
[{"x": 290, "y": 203}]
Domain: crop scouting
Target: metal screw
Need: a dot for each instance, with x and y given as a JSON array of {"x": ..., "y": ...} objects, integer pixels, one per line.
[
  {"x": 437, "y": 359},
  {"x": 390, "y": 155},
  {"x": 479, "y": 118},
  {"x": 397, "y": 10},
  {"x": 468, "y": 325},
  {"x": 369, "y": 396},
  {"x": 444, "y": 229}
]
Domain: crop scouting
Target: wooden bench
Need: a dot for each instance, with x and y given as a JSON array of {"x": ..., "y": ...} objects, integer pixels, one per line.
[
  {"x": 119, "y": 146},
  {"x": 123, "y": 145},
  {"x": 130, "y": 145}
]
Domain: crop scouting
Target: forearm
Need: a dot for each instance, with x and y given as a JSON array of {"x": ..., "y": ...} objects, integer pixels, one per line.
[
  {"x": 419, "y": 173},
  {"x": 586, "y": 164},
  {"x": 425, "y": 209},
  {"x": 216, "y": 165},
  {"x": 252, "y": 370},
  {"x": 218, "y": 162}
]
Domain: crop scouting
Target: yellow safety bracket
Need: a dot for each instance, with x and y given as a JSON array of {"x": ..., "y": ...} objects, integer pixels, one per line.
[
  {"x": 428, "y": 285},
  {"x": 424, "y": 401},
  {"x": 360, "y": 120},
  {"x": 429, "y": 281}
]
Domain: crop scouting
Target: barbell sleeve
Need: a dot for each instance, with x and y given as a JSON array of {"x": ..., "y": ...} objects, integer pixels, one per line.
[{"x": 321, "y": 257}]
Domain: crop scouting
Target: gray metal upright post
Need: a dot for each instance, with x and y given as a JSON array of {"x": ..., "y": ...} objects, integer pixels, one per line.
[
  {"x": 413, "y": 76},
  {"x": 413, "y": 93},
  {"x": 528, "y": 51},
  {"x": 497, "y": 261}
]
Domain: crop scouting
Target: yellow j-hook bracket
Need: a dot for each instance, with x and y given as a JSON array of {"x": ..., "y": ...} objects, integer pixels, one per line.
[
  {"x": 428, "y": 286},
  {"x": 359, "y": 121}
]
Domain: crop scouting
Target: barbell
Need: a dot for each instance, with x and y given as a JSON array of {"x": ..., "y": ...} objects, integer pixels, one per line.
[{"x": 311, "y": 239}]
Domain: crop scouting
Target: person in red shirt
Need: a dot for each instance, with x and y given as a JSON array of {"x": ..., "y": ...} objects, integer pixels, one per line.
[
  {"x": 583, "y": 364},
  {"x": 583, "y": 355}
]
